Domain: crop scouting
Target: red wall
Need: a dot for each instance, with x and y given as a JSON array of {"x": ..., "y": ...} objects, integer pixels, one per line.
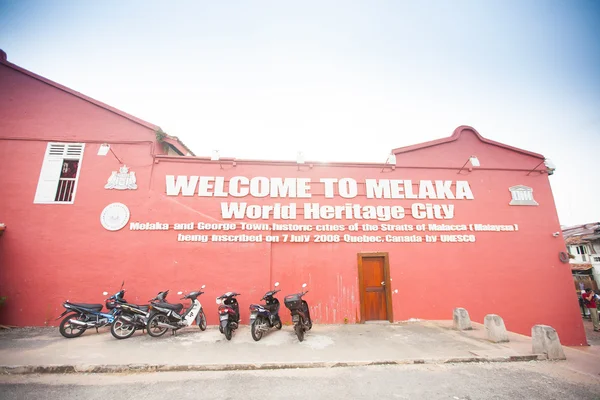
[{"x": 50, "y": 253}]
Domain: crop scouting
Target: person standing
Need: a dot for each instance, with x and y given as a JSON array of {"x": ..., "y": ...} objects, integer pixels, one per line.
[{"x": 589, "y": 298}]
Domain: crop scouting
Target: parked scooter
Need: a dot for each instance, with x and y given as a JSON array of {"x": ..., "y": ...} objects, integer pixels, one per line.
[
  {"x": 264, "y": 317},
  {"x": 167, "y": 316},
  {"x": 86, "y": 315},
  {"x": 229, "y": 313},
  {"x": 300, "y": 313},
  {"x": 130, "y": 317}
]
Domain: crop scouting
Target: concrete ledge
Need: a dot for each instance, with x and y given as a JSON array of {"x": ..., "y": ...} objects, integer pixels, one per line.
[{"x": 132, "y": 368}]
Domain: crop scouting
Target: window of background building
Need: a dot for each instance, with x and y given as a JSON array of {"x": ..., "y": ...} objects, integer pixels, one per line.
[
  {"x": 581, "y": 250},
  {"x": 59, "y": 174}
]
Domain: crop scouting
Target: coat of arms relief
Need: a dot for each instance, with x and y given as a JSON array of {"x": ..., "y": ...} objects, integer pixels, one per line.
[{"x": 122, "y": 180}]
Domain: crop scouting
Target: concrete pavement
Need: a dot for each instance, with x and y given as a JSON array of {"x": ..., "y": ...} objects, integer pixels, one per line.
[{"x": 37, "y": 350}]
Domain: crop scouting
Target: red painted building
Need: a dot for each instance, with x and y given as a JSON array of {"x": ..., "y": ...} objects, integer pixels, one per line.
[{"x": 92, "y": 196}]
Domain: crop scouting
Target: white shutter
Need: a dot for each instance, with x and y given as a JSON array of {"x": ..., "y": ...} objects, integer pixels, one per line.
[
  {"x": 56, "y": 150},
  {"x": 51, "y": 169},
  {"x": 73, "y": 151}
]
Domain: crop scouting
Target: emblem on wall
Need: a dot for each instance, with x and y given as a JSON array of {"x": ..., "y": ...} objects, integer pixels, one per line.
[
  {"x": 122, "y": 180},
  {"x": 114, "y": 216},
  {"x": 522, "y": 196}
]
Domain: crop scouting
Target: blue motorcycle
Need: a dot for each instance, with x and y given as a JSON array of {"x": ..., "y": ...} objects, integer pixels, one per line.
[
  {"x": 265, "y": 316},
  {"x": 83, "y": 315}
]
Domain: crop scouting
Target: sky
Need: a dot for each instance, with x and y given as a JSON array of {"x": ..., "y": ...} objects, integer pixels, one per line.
[{"x": 337, "y": 80}]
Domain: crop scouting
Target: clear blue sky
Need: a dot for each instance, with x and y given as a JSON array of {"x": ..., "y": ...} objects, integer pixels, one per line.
[{"x": 339, "y": 80}]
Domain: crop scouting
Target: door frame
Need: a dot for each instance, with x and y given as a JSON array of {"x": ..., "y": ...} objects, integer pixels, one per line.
[{"x": 386, "y": 278}]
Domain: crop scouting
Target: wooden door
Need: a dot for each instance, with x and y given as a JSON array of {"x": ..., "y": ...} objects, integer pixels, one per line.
[{"x": 375, "y": 299}]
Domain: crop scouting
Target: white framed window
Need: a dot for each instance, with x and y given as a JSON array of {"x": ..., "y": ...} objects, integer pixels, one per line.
[
  {"x": 581, "y": 249},
  {"x": 59, "y": 174},
  {"x": 581, "y": 252}
]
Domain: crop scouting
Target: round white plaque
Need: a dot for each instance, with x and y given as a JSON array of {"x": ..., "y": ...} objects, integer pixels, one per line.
[{"x": 114, "y": 216}]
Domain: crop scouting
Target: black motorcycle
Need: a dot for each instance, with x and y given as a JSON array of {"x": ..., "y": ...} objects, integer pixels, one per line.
[
  {"x": 265, "y": 316},
  {"x": 300, "y": 313},
  {"x": 229, "y": 313},
  {"x": 167, "y": 316},
  {"x": 82, "y": 316},
  {"x": 131, "y": 317}
]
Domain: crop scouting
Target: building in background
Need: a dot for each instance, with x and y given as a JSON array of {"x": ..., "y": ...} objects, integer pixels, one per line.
[
  {"x": 583, "y": 246},
  {"x": 93, "y": 196}
]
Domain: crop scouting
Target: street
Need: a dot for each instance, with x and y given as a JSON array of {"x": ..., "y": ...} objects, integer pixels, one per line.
[{"x": 522, "y": 380}]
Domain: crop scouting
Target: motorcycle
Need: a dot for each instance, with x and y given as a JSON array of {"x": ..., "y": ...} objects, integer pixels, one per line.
[
  {"x": 130, "y": 317},
  {"x": 229, "y": 313},
  {"x": 84, "y": 315},
  {"x": 264, "y": 317},
  {"x": 300, "y": 312},
  {"x": 167, "y": 316}
]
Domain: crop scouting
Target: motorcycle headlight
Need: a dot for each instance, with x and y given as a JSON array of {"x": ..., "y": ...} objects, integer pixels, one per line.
[{"x": 218, "y": 301}]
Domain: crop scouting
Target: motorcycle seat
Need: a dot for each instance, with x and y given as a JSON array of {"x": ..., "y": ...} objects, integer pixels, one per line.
[
  {"x": 95, "y": 307},
  {"x": 141, "y": 308},
  {"x": 175, "y": 307}
]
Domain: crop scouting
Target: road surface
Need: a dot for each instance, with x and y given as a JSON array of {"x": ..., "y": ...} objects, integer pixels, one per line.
[{"x": 527, "y": 380}]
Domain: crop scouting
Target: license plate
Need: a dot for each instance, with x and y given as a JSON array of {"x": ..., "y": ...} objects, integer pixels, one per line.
[
  {"x": 295, "y": 318},
  {"x": 253, "y": 316},
  {"x": 223, "y": 317}
]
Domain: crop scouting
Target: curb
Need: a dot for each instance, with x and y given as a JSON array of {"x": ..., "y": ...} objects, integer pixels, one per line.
[{"x": 111, "y": 369}]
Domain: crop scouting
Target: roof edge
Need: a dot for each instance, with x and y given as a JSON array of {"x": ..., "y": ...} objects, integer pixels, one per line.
[
  {"x": 455, "y": 136},
  {"x": 587, "y": 226},
  {"x": 78, "y": 94},
  {"x": 146, "y": 124},
  {"x": 307, "y": 164}
]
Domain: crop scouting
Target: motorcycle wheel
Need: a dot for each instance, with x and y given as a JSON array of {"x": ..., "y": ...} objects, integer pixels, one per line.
[
  {"x": 278, "y": 324},
  {"x": 228, "y": 333},
  {"x": 122, "y": 329},
  {"x": 309, "y": 322},
  {"x": 201, "y": 320},
  {"x": 71, "y": 331},
  {"x": 299, "y": 331},
  {"x": 257, "y": 328},
  {"x": 153, "y": 329}
]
